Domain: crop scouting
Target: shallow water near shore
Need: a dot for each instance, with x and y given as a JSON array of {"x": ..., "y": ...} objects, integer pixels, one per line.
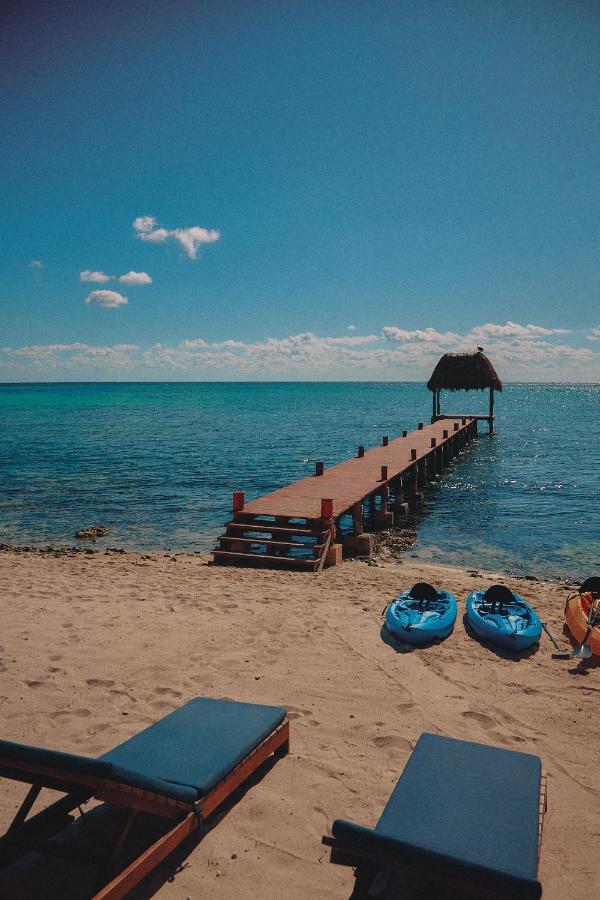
[{"x": 157, "y": 463}]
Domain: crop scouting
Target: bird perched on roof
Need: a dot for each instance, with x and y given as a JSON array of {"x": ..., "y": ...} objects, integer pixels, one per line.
[{"x": 480, "y": 349}]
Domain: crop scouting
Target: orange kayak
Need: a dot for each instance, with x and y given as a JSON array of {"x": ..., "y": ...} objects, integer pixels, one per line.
[{"x": 576, "y": 615}]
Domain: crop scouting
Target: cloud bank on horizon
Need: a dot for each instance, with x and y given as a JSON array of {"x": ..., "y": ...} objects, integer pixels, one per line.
[{"x": 395, "y": 353}]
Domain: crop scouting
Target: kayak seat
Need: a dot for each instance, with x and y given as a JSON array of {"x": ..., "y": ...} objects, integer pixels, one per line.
[
  {"x": 423, "y": 592},
  {"x": 497, "y": 595},
  {"x": 590, "y": 585}
]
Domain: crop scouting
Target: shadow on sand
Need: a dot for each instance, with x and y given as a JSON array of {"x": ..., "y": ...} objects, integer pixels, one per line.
[
  {"x": 499, "y": 651},
  {"x": 400, "y": 646}
]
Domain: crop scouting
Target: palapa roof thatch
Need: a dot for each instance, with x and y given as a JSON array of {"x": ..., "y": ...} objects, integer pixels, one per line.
[{"x": 464, "y": 372}]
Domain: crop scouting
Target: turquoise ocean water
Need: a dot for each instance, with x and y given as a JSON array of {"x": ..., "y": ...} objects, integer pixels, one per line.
[{"x": 157, "y": 463}]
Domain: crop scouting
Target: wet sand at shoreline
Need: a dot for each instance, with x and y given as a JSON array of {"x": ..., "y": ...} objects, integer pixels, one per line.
[{"x": 94, "y": 647}]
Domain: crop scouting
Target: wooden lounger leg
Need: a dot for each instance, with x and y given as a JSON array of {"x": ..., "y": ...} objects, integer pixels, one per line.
[
  {"x": 126, "y": 880},
  {"x": 107, "y": 866},
  {"x": 23, "y": 811},
  {"x": 28, "y": 834},
  {"x": 363, "y": 875}
]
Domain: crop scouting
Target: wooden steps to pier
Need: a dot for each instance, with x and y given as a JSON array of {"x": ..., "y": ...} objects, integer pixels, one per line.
[
  {"x": 295, "y": 526},
  {"x": 272, "y": 541}
]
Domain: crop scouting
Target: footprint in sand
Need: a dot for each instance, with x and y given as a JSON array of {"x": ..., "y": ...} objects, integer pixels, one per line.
[
  {"x": 167, "y": 690},
  {"x": 295, "y": 712},
  {"x": 99, "y": 682},
  {"x": 392, "y": 741},
  {"x": 33, "y": 683},
  {"x": 405, "y": 707},
  {"x": 485, "y": 721},
  {"x": 161, "y": 704}
]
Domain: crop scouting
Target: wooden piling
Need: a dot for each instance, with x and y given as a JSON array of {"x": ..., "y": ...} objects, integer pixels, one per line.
[
  {"x": 357, "y": 518},
  {"x": 319, "y": 467},
  {"x": 326, "y": 508}
]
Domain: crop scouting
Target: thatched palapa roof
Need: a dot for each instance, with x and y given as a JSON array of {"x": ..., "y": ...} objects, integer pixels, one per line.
[{"x": 464, "y": 372}]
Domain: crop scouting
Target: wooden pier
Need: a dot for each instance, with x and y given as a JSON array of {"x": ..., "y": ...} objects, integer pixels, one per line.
[{"x": 298, "y": 526}]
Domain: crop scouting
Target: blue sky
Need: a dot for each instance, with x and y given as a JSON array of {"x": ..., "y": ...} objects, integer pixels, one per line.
[{"x": 319, "y": 190}]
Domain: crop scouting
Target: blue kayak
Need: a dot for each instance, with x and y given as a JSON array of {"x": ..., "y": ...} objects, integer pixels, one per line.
[
  {"x": 503, "y": 618},
  {"x": 421, "y": 614}
]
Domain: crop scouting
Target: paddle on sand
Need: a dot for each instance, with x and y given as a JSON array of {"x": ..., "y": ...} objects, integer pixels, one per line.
[{"x": 557, "y": 653}]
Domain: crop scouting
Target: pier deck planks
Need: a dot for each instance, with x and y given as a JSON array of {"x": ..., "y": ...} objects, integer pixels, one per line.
[{"x": 351, "y": 481}]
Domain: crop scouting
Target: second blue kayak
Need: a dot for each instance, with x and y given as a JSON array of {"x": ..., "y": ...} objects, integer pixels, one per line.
[
  {"x": 503, "y": 618},
  {"x": 421, "y": 614}
]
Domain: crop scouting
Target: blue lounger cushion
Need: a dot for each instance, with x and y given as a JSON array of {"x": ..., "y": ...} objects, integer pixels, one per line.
[
  {"x": 464, "y": 811},
  {"x": 181, "y": 756}
]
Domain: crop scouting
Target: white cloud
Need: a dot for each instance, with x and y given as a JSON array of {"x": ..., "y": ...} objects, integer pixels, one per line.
[
  {"x": 427, "y": 335},
  {"x": 130, "y": 278},
  {"x": 196, "y": 344},
  {"x": 511, "y": 329},
  {"x": 37, "y": 350},
  {"x": 228, "y": 345},
  {"x": 99, "y": 277},
  {"x": 594, "y": 333},
  {"x": 106, "y": 299},
  {"x": 36, "y": 264},
  {"x": 191, "y": 239},
  {"x": 135, "y": 278}
]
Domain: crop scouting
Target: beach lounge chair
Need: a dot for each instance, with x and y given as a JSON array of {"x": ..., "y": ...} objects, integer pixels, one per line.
[
  {"x": 169, "y": 778},
  {"x": 463, "y": 817}
]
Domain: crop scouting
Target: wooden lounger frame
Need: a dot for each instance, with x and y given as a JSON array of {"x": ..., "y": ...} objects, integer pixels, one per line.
[
  {"x": 367, "y": 862},
  {"x": 36, "y": 833}
]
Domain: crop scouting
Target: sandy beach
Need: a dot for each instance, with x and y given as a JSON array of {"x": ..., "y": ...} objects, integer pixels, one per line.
[{"x": 96, "y": 646}]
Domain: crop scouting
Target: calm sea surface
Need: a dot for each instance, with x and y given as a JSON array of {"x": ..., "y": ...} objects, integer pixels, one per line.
[{"x": 157, "y": 463}]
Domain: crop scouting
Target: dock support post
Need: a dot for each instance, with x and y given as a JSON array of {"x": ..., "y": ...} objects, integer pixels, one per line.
[
  {"x": 361, "y": 451},
  {"x": 399, "y": 506},
  {"x": 491, "y": 419},
  {"x": 415, "y": 495},
  {"x": 384, "y": 518},
  {"x": 385, "y": 441},
  {"x": 239, "y": 499},
  {"x": 357, "y": 518},
  {"x": 434, "y": 406},
  {"x": 319, "y": 467},
  {"x": 359, "y": 543}
]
